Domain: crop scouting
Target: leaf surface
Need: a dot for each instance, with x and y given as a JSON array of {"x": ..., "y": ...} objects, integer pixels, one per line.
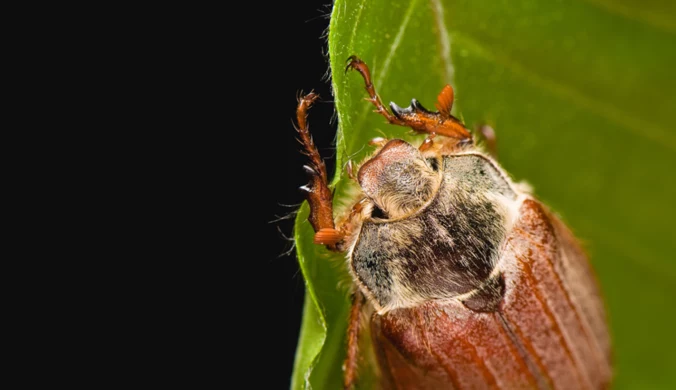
[{"x": 581, "y": 95}]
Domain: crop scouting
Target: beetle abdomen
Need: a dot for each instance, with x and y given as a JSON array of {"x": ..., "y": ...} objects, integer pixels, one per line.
[
  {"x": 448, "y": 346},
  {"x": 548, "y": 331},
  {"x": 554, "y": 302}
]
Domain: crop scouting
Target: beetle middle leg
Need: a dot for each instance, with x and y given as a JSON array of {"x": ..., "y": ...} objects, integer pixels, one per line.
[
  {"x": 319, "y": 195},
  {"x": 353, "y": 327}
]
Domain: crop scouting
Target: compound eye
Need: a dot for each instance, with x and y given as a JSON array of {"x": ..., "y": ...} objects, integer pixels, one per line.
[
  {"x": 378, "y": 213},
  {"x": 433, "y": 163}
]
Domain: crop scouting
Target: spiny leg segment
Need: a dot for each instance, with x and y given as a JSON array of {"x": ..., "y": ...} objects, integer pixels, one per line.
[
  {"x": 319, "y": 195},
  {"x": 320, "y": 199},
  {"x": 360, "y": 66},
  {"x": 416, "y": 116}
]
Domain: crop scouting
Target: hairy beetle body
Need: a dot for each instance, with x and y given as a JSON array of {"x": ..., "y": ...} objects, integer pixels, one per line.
[
  {"x": 470, "y": 281},
  {"x": 445, "y": 249}
]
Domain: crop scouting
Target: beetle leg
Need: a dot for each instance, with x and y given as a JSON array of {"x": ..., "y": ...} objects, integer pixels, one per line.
[
  {"x": 428, "y": 142},
  {"x": 318, "y": 194},
  {"x": 360, "y": 66},
  {"x": 488, "y": 135},
  {"x": 416, "y": 116},
  {"x": 352, "y": 358}
]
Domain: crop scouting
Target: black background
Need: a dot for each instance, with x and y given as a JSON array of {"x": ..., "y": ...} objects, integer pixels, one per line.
[{"x": 203, "y": 108}]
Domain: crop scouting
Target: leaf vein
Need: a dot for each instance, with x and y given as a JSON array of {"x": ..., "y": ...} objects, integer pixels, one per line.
[
  {"x": 444, "y": 40},
  {"x": 356, "y": 23},
  {"x": 395, "y": 44},
  {"x": 382, "y": 73}
]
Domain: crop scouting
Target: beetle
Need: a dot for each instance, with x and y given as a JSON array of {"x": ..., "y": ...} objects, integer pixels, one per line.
[{"x": 471, "y": 282}]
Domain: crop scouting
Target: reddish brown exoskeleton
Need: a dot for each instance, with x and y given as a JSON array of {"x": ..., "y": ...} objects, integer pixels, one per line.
[{"x": 472, "y": 283}]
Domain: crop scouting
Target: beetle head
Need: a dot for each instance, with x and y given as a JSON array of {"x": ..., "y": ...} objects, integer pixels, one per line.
[{"x": 398, "y": 179}]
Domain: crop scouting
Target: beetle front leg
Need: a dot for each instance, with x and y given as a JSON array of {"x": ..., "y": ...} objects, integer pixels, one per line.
[
  {"x": 318, "y": 194},
  {"x": 360, "y": 66},
  {"x": 416, "y": 116}
]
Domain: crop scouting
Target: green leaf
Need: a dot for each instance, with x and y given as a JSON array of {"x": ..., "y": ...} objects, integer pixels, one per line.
[
  {"x": 325, "y": 313},
  {"x": 581, "y": 94}
]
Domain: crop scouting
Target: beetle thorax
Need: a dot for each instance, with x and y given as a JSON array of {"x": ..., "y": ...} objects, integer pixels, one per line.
[{"x": 445, "y": 241}]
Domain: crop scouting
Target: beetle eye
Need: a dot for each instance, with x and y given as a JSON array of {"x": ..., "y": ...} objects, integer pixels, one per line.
[
  {"x": 433, "y": 163},
  {"x": 377, "y": 212}
]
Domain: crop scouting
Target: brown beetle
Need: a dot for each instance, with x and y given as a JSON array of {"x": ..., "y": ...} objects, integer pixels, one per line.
[{"x": 472, "y": 283}]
